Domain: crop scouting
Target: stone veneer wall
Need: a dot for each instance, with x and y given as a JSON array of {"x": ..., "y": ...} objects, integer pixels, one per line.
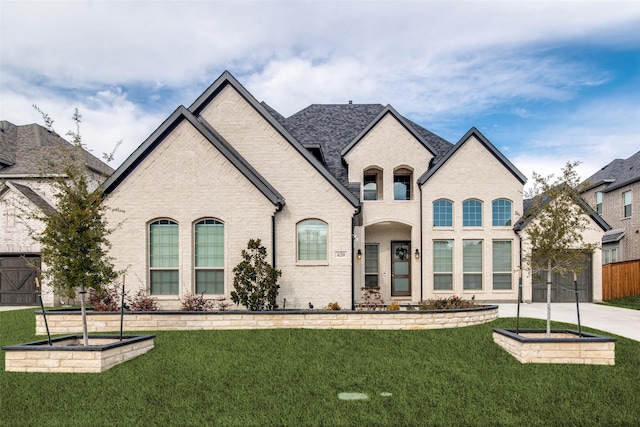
[
  {"x": 63, "y": 322},
  {"x": 562, "y": 347},
  {"x": 40, "y": 357}
]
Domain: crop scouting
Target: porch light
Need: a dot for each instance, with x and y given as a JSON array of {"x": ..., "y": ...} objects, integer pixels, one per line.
[
  {"x": 359, "y": 254},
  {"x": 417, "y": 253}
]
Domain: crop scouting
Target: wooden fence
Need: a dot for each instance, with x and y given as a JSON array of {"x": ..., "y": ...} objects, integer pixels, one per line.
[{"x": 621, "y": 279}]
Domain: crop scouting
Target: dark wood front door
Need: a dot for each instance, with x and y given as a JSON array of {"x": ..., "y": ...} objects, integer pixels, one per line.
[
  {"x": 17, "y": 279},
  {"x": 400, "y": 268}
]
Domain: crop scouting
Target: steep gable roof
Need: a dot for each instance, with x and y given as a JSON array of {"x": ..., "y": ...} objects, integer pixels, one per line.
[
  {"x": 488, "y": 145},
  {"x": 275, "y": 120},
  {"x": 178, "y": 116},
  {"x": 617, "y": 174},
  {"x": 23, "y": 149},
  {"x": 32, "y": 196}
]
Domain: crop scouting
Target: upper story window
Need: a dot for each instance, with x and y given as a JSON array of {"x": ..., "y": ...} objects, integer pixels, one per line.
[
  {"x": 372, "y": 189},
  {"x": 599, "y": 202},
  {"x": 472, "y": 213},
  {"x": 501, "y": 213},
  {"x": 442, "y": 213},
  {"x": 627, "y": 202},
  {"x": 209, "y": 256},
  {"x": 402, "y": 184},
  {"x": 312, "y": 240},
  {"x": 163, "y": 257}
]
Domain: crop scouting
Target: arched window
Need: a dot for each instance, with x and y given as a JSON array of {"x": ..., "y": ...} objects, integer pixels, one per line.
[
  {"x": 402, "y": 178},
  {"x": 372, "y": 184},
  {"x": 472, "y": 213},
  {"x": 501, "y": 213},
  {"x": 312, "y": 240},
  {"x": 209, "y": 256},
  {"x": 163, "y": 257},
  {"x": 442, "y": 213}
]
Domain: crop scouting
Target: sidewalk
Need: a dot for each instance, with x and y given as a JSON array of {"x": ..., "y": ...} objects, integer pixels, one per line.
[{"x": 620, "y": 321}]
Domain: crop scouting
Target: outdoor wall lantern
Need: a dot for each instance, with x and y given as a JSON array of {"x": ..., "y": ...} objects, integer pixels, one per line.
[
  {"x": 417, "y": 253},
  {"x": 359, "y": 254}
]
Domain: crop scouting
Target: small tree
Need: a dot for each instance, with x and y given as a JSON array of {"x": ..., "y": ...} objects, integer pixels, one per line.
[
  {"x": 556, "y": 228},
  {"x": 74, "y": 241},
  {"x": 255, "y": 280}
]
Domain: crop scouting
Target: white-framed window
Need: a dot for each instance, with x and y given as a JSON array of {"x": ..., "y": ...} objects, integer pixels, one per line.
[
  {"x": 402, "y": 179},
  {"x": 209, "y": 256},
  {"x": 442, "y": 213},
  {"x": 599, "y": 202},
  {"x": 163, "y": 257},
  {"x": 371, "y": 265},
  {"x": 472, "y": 264},
  {"x": 627, "y": 201},
  {"x": 472, "y": 213},
  {"x": 501, "y": 213},
  {"x": 372, "y": 184},
  {"x": 312, "y": 240},
  {"x": 610, "y": 255},
  {"x": 502, "y": 264},
  {"x": 442, "y": 265}
]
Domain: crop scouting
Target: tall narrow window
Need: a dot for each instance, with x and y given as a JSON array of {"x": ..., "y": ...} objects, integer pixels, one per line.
[
  {"x": 502, "y": 264},
  {"x": 163, "y": 257},
  {"x": 599, "y": 202},
  {"x": 501, "y": 213},
  {"x": 472, "y": 264},
  {"x": 209, "y": 257},
  {"x": 627, "y": 201},
  {"x": 442, "y": 265},
  {"x": 312, "y": 240},
  {"x": 442, "y": 213},
  {"x": 371, "y": 265},
  {"x": 402, "y": 184},
  {"x": 372, "y": 189}
]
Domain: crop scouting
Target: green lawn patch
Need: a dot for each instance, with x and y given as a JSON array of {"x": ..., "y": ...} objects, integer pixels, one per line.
[
  {"x": 456, "y": 377},
  {"x": 626, "y": 302}
]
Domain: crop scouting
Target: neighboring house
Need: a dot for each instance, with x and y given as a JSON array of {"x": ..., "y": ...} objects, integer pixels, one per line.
[
  {"x": 612, "y": 192},
  {"x": 26, "y": 155},
  {"x": 344, "y": 197}
]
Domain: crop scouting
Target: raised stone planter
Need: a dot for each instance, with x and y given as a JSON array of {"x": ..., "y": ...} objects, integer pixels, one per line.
[
  {"x": 67, "y": 354},
  {"x": 65, "y": 321},
  {"x": 563, "y": 346}
]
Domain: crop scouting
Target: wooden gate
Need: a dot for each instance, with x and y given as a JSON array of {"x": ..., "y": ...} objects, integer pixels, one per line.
[
  {"x": 562, "y": 289},
  {"x": 17, "y": 279}
]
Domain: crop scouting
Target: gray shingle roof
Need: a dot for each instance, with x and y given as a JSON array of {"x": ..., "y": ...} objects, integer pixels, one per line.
[
  {"x": 333, "y": 127},
  {"x": 34, "y": 197},
  {"x": 617, "y": 174},
  {"x": 24, "y": 148}
]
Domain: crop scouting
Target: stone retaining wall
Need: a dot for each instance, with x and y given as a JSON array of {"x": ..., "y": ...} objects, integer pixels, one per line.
[
  {"x": 564, "y": 346},
  {"x": 64, "y": 322},
  {"x": 68, "y": 355}
]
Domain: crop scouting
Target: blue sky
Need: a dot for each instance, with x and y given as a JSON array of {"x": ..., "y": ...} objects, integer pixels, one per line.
[{"x": 546, "y": 82}]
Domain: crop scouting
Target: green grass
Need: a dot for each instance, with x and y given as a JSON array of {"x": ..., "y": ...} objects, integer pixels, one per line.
[
  {"x": 626, "y": 302},
  {"x": 456, "y": 377}
]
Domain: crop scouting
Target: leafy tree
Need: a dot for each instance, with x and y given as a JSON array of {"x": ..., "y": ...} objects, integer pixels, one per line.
[
  {"x": 74, "y": 242},
  {"x": 255, "y": 280},
  {"x": 555, "y": 230}
]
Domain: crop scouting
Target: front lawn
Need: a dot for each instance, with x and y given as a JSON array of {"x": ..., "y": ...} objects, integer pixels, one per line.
[{"x": 455, "y": 377}]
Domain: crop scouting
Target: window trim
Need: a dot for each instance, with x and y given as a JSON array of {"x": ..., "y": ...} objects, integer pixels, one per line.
[
  {"x": 443, "y": 273},
  {"x": 403, "y": 171},
  {"x": 493, "y": 212},
  {"x": 433, "y": 209},
  {"x": 197, "y": 268},
  {"x": 151, "y": 269},
  {"x": 599, "y": 197},
  {"x": 378, "y": 173},
  {"x": 501, "y": 272},
  {"x": 377, "y": 273},
  {"x": 468, "y": 202},
  {"x": 627, "y": 213},
  {"x": 324, "y": 261},
  {"x": 468, "y": 274}
]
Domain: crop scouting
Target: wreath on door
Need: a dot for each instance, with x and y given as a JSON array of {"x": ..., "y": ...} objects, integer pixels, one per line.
[{"x": 401, "y": 253}]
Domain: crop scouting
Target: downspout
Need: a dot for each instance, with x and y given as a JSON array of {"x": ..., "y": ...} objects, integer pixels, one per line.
[
  {"x": 421, "y": 246},
  {"x": 273, "y": 234}
]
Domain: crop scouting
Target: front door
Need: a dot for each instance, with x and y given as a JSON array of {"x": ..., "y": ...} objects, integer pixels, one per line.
[{"x": 400, "y": 268}]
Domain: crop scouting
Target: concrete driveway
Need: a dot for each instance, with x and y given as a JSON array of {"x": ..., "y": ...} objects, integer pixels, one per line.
[{"x": 620, "y": 321}]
